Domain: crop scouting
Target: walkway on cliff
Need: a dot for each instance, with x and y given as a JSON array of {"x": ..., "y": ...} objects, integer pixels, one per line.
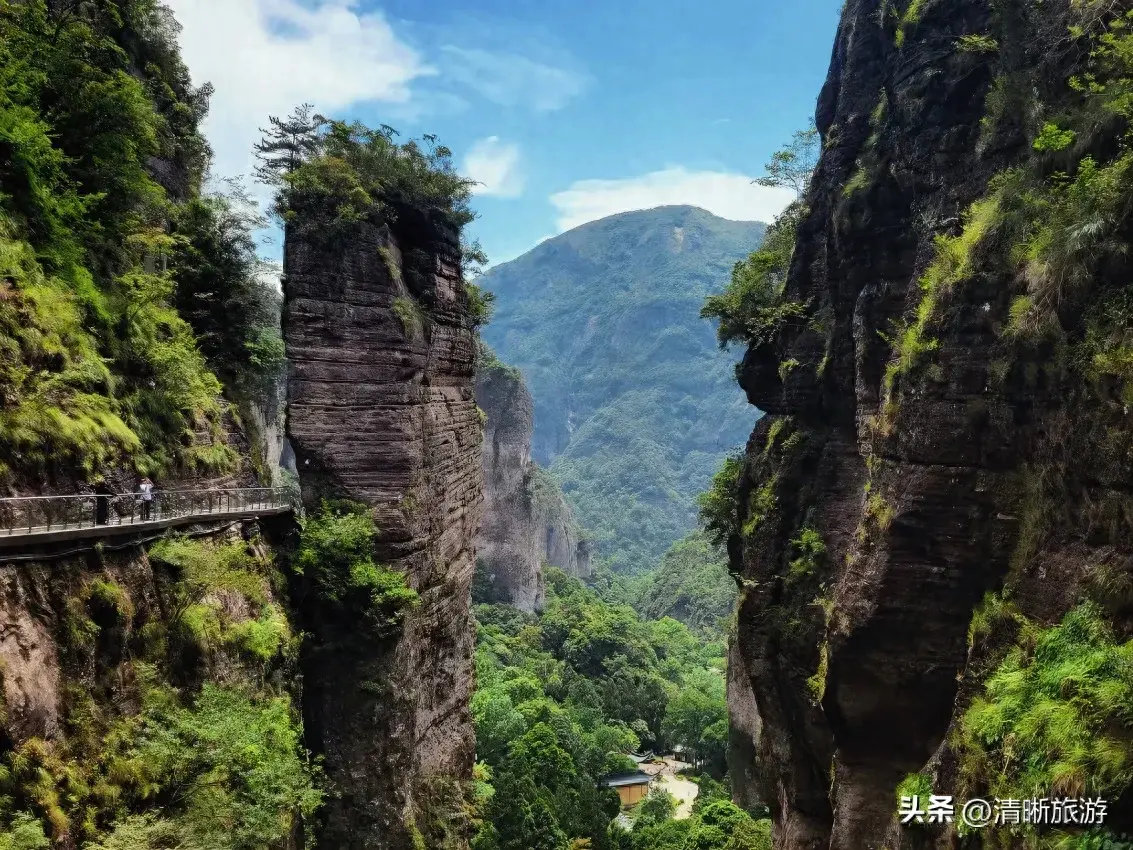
[{"x": 27, "y": 520}]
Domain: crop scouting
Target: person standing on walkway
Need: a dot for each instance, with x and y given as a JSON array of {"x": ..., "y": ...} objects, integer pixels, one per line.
[
  {"x": 102, "y": 494},
  {"x": 146, "y": 489}
]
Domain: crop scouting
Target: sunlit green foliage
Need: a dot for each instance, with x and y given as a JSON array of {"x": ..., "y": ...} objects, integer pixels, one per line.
[
  {"x": 953, "y": 263},
  {"x": 977, "y": 43},
  {"x": 234, "y": 763},
  {"x": 207, "y": 571},
  {"x": 98, "y": 367},
  {"x": 715, "y": 824},
  {"x": 691, "y": 584},
  {"x": 341, "y": 174},
  {"x": 337, "y": 553},
  {"x": 751, "y": 309},
  {"x": 23, "y": 832},
  {"x": 792, "y": 166},
  {"x": 1055, "y": 717},
  {"x": 202, "y": 765},
  {"x": 909, "y": 19},
  {"x": 561, "y": 696}
]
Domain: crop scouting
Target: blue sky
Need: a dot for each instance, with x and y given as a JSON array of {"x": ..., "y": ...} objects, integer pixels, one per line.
[{"x": 565, "y": 111}]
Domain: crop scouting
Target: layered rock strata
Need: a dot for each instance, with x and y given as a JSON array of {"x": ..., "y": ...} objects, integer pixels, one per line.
[{"x": 381, "y": 411}]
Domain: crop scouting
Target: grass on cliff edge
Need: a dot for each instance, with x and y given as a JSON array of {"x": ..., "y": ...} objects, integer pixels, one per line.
[{"x": 1056, "y": 717}]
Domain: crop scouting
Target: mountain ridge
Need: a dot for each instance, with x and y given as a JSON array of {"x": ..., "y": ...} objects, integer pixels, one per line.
[{"x": 635, "y": 404}]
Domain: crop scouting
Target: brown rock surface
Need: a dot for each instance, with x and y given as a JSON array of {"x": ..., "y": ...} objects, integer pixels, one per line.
[
  {"x": 381, "y": 411},
  {"x": 847, "y": 674},
  {"x": 527, "y": 519}
]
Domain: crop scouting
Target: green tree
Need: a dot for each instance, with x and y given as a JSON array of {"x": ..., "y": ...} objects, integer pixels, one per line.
[
  {"x": 751, "y": 309},
  {"x": 792, "y": 166},
  {"x": 287, "y": 143},
  {"x": 221, "y": 288},
  {"x": 658, "y": 806},
  {"x": 696, "y": 709}
]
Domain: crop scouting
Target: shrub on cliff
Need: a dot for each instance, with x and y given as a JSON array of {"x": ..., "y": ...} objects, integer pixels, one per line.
[
  {"x": 1056, "y": 717},
  {"x": 231, "y": 766},
  {"x": 751, "y": 309},
  {"x": 337, "y": 552},
  {"x": 720, "y": 504}
]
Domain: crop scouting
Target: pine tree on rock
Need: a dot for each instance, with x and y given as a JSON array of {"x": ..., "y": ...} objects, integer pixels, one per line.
[{"x": 287, "y": 143}]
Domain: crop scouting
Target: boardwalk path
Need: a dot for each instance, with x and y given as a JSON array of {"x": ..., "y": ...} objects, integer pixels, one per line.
[{"x": 43, "y": 519}]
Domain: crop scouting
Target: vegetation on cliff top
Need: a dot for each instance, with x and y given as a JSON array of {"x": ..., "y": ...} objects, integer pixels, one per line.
[{"x": 332, "y": 175}]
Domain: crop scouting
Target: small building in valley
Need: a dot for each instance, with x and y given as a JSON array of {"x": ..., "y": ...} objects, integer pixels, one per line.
[{"x": 632, "y": 788}]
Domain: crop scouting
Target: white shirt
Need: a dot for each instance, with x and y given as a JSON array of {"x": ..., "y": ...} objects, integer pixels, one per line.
[{"x": 146, "y": 489}]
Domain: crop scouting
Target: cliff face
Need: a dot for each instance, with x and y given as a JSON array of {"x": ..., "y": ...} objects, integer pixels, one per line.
[
  {"x": 381, "y": 411},
  {"x": 561, "y": 540},
  {"x": 107, "y": 646},
  {"x": 935, "y": 435},
  {"x": 508, "y": 546},
  {"x": 527, "y": 521}
]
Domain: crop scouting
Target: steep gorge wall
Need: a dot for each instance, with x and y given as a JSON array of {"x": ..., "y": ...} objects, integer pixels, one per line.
[
  {"x": 562, "y": 541},
  {"x": 527, "y": 520},
  {"x": 508, "y": 546},
  {"x": 933, "y": 475},
  {"x": 94, "y": 635},
  {"x": 381, "y": 411}
]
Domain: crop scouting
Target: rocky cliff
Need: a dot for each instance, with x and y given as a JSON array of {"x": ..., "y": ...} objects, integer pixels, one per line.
[
  {"x": 381, "y": 412},
  {"x": 527, "y": 522},
  {"x": 562, "y": 541},
  {"x": 507, "y": 550},
  {"x": 108, "y": 647},
  {"x": 942, "y": 484}
]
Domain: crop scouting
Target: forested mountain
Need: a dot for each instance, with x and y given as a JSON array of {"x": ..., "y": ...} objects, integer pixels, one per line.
[
  {"x": 635, "y": 405},
  {"x": 691, "y": 584}
]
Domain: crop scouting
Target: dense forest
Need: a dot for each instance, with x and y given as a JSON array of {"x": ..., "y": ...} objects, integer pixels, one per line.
[{"x": 563, "y": 695}]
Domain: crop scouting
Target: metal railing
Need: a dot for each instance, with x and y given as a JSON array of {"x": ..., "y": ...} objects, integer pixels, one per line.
[{"x": 36, "y": 514}]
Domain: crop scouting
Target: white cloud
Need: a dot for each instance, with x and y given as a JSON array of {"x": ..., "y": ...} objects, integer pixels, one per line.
[
  {"x": 266, "y": 56},
  {"x": 726, "y": 194},
  {"x": 494, "y": 165},
  {"x": 512, "y": 79}
]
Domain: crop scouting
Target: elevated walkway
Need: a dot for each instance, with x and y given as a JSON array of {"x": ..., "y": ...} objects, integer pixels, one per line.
[{"x": 31, "y": 520}]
